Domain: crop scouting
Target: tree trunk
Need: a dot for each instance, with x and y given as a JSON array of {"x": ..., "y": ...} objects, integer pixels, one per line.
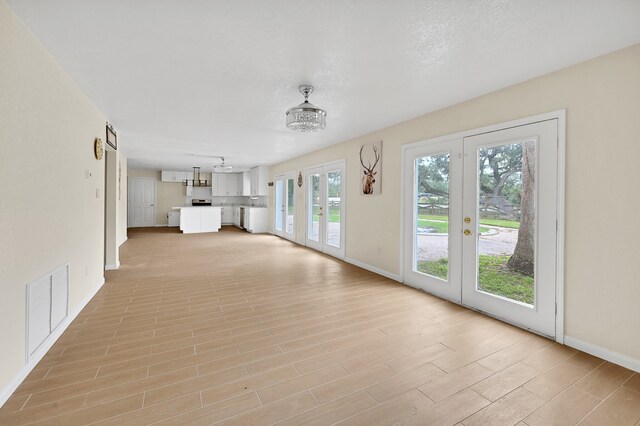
[{"x": 523, "y": 256}]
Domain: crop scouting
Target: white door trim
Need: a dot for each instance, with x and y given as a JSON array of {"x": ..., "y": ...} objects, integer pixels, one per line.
[{"x": 560, "y": 116}]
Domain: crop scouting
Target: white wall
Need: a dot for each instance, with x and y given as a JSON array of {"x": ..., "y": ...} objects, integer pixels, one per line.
[
  {"x": 51, "y": 185},
  {"x": 602, "y": 98}
]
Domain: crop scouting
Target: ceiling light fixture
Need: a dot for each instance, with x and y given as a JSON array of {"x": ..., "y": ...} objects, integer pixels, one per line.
[
  {"x": 306, "y": 117},
  {"x": 222, "y": 168},
  {"x": 195, "y": 181}
]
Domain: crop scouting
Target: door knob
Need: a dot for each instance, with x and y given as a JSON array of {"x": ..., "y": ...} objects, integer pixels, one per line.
[{"x": 467, "y": 232}]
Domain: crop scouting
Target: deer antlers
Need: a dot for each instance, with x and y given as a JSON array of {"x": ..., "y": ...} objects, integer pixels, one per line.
[{"x": 377, "y": 155}]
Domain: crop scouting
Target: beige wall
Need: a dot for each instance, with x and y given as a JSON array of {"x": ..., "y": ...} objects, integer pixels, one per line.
[
  {"x": 168, "y": 194},
  {"x": 602, "y": 99},
  {"x": 51, "y": 210}
]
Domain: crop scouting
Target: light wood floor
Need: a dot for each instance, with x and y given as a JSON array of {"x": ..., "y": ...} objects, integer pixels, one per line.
[{"x": 251, "y": 329}]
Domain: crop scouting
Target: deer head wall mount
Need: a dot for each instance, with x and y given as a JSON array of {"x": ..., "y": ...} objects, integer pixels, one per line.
[{"x": 369, "y": 170}]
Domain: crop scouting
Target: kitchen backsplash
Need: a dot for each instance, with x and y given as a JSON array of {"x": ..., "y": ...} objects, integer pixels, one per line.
[{"x": 257, "y": 201}]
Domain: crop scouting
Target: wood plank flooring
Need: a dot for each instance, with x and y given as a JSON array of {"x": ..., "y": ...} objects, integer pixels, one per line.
[{"x": 245, "y": 329}]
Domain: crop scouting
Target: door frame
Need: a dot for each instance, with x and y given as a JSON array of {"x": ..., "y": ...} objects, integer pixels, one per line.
[
  {"x": 560, "y": 116},
  {"x": 342, "y": 252},
  {"x": 155, "y": 201}
]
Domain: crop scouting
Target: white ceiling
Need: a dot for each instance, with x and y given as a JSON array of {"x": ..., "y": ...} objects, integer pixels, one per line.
[{"x": 216, "y": 77}]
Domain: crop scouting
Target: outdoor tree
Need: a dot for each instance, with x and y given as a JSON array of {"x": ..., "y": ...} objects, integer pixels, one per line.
[{"x": 523, "y": 256}]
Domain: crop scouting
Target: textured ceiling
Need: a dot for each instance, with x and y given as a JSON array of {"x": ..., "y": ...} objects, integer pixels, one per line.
[{"x": 209, "y": 78}]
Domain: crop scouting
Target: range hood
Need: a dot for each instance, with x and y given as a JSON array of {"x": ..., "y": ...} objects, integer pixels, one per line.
[{"x": 196, "y": 181}]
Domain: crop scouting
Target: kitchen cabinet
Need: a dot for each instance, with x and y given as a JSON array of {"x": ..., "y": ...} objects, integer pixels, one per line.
[
  {"x": 189, "y": 190},
  {"x": 259, "y": 180},
  {"x": 199, "y": 219},
  {"x": 174, "y": 218},
  {"x": 170, "y": 176},
  {"x": 244, "y": 183},
  {"x": 227, "y": 215},
  {"x": 236, "y": 217},
  {"x": 255, "y": 220},
  {"x": 224, "y": 184}
]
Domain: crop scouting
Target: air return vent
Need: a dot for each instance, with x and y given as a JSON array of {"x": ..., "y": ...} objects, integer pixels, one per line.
[{"x": 47, "y": 307}]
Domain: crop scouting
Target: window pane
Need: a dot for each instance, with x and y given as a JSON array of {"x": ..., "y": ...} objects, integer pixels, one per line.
[
  {"x": 290, "y": 201},
  {"x": 506, "y": 228},
  {"x": 432, "y": 216},
  {"x": 313, "y": 233},
  {"x": 333, "y": 208}
]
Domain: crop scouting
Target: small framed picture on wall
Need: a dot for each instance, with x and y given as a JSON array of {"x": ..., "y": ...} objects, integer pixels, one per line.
[{"x": 112, "y": 138}]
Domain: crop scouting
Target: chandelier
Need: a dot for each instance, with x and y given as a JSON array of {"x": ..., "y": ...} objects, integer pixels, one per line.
[
  {"x": 306, "y": 117},
  {"x": 222, "y": 168}
]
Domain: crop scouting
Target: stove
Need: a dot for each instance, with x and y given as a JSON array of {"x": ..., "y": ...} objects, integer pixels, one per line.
[{"x": 200, "y": 203}]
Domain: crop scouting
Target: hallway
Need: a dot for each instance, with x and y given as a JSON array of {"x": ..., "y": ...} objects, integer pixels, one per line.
[{"x": 253, "y": 329}]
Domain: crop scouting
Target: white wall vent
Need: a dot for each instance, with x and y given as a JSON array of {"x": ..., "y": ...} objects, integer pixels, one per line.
[{"x": 47, "y": 307}]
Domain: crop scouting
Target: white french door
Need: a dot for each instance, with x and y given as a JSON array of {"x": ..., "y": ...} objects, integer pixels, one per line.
[
  {"x": 141, "y": 202},
  {"x": 480, "y": 222},
  {"x": 325, "y": 208},
  {"x": 284, "y": 205}
]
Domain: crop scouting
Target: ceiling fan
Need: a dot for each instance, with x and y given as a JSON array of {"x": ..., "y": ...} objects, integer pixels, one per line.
[{"x": 222, "y": 167}]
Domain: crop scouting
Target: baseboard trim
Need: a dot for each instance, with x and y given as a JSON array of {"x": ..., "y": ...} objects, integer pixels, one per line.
[
  {"x": 123, "y": 241},
  {"x": 166, "y": 225},
  {"x": 606, "y": 354},
  {"x": 111, "y": 267},
  {"x": 37, "y": 356},
  {"x": 395, "y": 277}
]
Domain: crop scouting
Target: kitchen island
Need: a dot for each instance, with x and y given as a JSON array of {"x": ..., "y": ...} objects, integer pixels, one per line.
[{"x": 199, "y": 219}]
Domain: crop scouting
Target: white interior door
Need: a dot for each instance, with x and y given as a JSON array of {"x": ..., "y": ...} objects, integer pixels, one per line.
[
  {"x": 325, "y": 208},
  {"x": 141, "y": 202},
  {"x": 480, "y": 222}
]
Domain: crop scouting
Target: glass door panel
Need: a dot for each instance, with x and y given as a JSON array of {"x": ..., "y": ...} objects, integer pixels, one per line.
[
  {"x": 279, "y": 206},
  {"x": 333, "y": 208},
  {"x": 509, "y": 237},
  {"x": 325, "y": 209},
  {"x": 432, "y": 216},
  {"x": 289, "y": 209},
  {"x": 315, "y": 210},
  {"x": 506, "y": 221}
]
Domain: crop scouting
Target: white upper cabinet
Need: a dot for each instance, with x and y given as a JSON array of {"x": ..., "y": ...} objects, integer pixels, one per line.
[
  {"x": 168, "y": 176},
  {"x": 259, "y": 180},
  {"x": 244, "y": 183},
  {"x": 232, "y": 184}
]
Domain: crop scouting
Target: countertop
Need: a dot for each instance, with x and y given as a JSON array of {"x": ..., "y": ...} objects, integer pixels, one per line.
[{"x": 220, "y": 206}]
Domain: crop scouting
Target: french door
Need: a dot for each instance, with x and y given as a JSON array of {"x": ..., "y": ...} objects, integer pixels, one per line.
[
  {"x": 480, "y": 222},
  {"x": 141, "y": 202},
  {"x": 325, "y": 208},
  {"x": 284, "y": 206}
]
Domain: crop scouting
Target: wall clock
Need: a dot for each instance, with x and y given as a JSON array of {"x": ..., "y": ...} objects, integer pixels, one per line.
[{"x": 98, "y": 148}]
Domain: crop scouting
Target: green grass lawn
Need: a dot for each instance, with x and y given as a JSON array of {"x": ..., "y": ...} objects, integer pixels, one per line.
[
  {"x": 334, "y": 214},
  {"x": 440, "y": 227},
  {"x": 494, "y": 277},
  {"x": 491, "y": 222}
]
